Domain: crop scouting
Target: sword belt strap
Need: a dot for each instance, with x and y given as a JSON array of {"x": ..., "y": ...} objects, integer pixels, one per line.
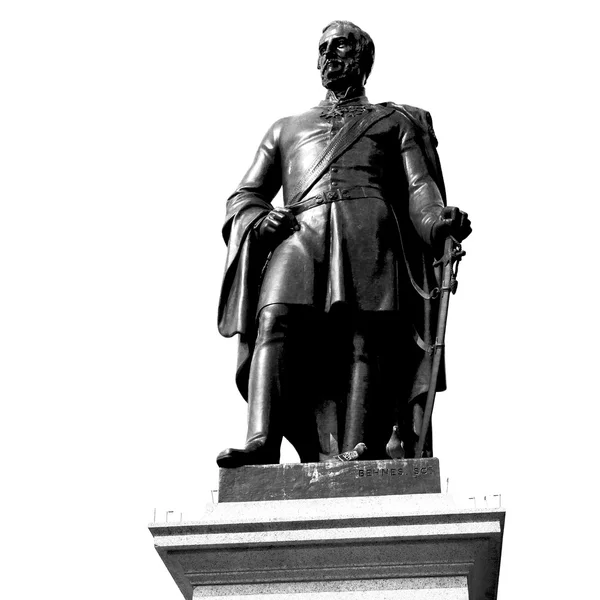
[
  {"x": 335, "y": 196},
  {"x": 346, "y": 137},
  {"x": 428, "y": 348}
]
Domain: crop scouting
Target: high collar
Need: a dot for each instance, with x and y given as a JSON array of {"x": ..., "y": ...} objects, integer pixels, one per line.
[{"x": 352, "y": 96}]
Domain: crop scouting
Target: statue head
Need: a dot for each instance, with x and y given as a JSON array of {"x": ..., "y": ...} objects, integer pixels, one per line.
[{"x": 346, "y": 55}]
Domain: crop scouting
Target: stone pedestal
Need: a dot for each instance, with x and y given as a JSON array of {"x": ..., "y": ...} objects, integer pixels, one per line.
[
  {"x": 301, "y": 481},
  {"x": 406, "y": 547}
]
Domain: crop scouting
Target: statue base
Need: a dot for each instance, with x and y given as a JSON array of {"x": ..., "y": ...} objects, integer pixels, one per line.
[
  {"x": 404, "y": 546},
  {"x": 297, "y": 481}
]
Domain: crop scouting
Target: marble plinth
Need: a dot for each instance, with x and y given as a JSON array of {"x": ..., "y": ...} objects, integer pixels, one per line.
[{"x": 406, "y": 547}]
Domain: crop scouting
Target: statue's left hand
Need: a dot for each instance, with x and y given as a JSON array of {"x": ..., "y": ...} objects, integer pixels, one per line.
[{"x": 452, "y": 221}]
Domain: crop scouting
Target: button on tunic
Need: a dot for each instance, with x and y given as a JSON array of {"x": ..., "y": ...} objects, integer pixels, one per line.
[{"x": 346, "y": 251}]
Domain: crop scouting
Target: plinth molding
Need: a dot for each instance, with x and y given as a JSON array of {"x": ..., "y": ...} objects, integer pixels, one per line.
[{"x": 408, "y": 547}]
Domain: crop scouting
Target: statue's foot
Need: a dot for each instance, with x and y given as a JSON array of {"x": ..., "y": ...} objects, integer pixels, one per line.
[
  {"x": 354, "y": 454},
  {"x": 254, "y": 453}
]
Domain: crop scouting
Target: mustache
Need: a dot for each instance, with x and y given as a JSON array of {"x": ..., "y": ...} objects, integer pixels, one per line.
[
  {"x": 349, "y": 60},
  {"x": 335, "y": 61}
]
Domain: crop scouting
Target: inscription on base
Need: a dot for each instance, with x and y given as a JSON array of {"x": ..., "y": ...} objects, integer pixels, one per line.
[
  {"x": 329, "y": 480},
  {"x": 391, "y": 472}
]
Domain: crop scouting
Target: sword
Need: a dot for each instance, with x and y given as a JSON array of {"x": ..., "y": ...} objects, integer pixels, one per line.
[{"x": 453, "y": 254}]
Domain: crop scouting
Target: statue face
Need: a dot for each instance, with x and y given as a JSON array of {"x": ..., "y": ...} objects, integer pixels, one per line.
[{"x": 338, "y": 59}]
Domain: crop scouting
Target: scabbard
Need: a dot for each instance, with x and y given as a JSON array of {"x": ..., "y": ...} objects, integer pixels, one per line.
[{"x": 438, "y": 351}]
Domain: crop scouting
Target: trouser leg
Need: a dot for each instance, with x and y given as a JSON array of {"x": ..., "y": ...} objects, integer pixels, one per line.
[
  {"x": 360, "y": 391},
  {"x": 380, "y": 377}
]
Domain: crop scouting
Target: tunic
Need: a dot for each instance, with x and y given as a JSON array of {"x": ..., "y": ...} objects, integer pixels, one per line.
[{"x": 347, "y": 251}]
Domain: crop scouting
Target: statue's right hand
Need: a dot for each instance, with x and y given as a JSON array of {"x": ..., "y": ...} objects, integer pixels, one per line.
[{"x": 277, "y": 225}]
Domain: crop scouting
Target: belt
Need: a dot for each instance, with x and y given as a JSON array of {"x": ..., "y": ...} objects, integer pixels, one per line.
[{"x": 335, "y": 196}]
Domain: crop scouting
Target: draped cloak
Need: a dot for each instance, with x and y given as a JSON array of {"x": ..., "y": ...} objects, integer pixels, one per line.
[{"x": 373, "y": 253}]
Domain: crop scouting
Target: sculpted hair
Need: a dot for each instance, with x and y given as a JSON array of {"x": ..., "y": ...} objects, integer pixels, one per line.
[{"x": 366, "y": 47}]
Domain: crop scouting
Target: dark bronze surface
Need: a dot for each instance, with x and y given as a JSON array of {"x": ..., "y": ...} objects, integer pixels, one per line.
[
  {"x": 335, "y": 295},
  {"x": 330, "y": 480}
]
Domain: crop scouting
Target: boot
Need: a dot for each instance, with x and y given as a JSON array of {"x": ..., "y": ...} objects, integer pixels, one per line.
[
  {"x": 264, "y": 394},
  {"x": 256, "y": 452}
]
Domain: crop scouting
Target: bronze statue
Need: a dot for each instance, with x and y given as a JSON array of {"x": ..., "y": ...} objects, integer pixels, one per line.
[{"x": 335, "y": 295}]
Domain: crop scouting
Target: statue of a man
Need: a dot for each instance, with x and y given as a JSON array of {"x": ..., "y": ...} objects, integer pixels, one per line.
[{"x": 333, "y": 293}]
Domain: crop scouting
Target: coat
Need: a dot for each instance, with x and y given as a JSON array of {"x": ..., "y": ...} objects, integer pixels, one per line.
[{"x": 370, "y": 250}]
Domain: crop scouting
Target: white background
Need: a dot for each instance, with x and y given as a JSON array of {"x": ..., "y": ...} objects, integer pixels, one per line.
[{"x": 124, "y": 127}]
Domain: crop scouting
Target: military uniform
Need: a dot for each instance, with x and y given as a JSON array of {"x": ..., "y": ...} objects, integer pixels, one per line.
[{"x": 381, "y": 195}]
